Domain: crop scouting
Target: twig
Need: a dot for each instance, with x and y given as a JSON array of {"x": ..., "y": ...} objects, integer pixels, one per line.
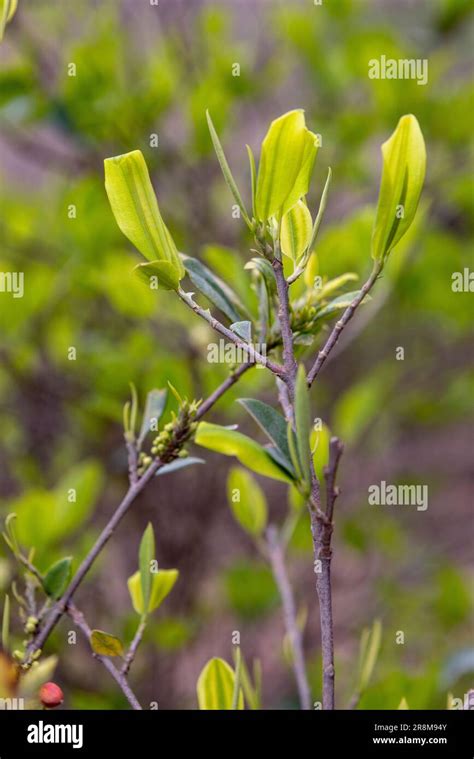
[
  {"x": 119, "y": 676},
  {"x": 285, "y": 327},
  {"x": 277, "y": 560},
  {"x": 130, "y": 655},
  {"x": 231, "y": 380},
  {"x": 342, "y": 322},
  {"x": 249, "y": 350},
  {"x": 321, "y": 530}
]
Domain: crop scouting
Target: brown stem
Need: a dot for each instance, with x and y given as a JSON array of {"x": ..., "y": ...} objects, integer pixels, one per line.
[
  {"x": 342, "y": 322},
  {"x": 277, "y": 560}
]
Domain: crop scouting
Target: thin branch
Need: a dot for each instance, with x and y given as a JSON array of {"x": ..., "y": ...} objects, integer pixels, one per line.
[
  {"x": 321, "y": 530},
  {"x": 249, "y": 350},
  {"x": 119, "y": 676},
  {"x": 137, "y": 638},
  {"x": 342, "y": 322},
  {"x": 277, "y": 559},
  {"x": 231, "y": 380},
  {"x": 285, "y": 327}
]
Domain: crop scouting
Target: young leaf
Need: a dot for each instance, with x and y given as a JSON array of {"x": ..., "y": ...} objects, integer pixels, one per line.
[
  {"x": 215, "y": 686},
  {"x": 293, "y": 448},
  {"x": 177, "y": 464},
  {"x": 321, "y": 210},
  {"x": 320, "y": 447},
  {"x": 57, "y": 577},
  {"x": 302, "y": 424},
  {"x": 340, "y": 304},
  {"x": 243, "y": 330},
  {"x": 403, "y": 173},
  {"x": 286, "y": 164},
  {"x": 136, "y": 210},
  {"x": 247, "y": 451},
  {"x": 162, "y": 583},
  {"x": 253, "y": 176},
  {"x": 403, "y": 704},
  {"x": 158, "y": 274},
  {"x": 295, "y": 232},
  {"x": 265, "y": 269},
  {"x": 8, "y": 11},
  {"x": 247, "y": 501},
  {"x": 271, "y": 422},
  {"x": 230, "y": 181},
  {"x": 154, "y": 407},
  {"x": 146, "y": 555},
  {"x": 215, "y": 289},
  {"x": 370, "y": 642},
  {"x": 6, "y": 623},
  {"x": 104, "y": 644}
]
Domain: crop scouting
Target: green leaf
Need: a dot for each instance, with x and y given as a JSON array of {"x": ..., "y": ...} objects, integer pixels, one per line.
[
  {"x": 104, "y": 644},
  {"x": 286, "y": 164},
  {"x": 154, "y": 407},
  {"x": 321, "y": 210},
  {"x": 162, "y": 583},
  {"x": 271, "y": 422},
  {"x": 177, "y": 464},
  {"x": 158, "y": 274},
  {"x": 403, "y": 173},
  {"x": 6, "y": 623},
  {"x": 8, "y": 11},
  {"x": 146, "y": 555},
  {"x": 293, "y": 448},
  {"x": 320, "y": 440},
  {"x": 57, "y": 577},
  {"x": 340, "y": 304},
  {"x": 303, "y": 424},
  {"x": 225, "y": 168},
  {"x": 136, "y": 210},
  {"x": 215, "y": 686},
  {"x": 247, "y": 501},
  {"x": 247, "y": 451},
  {"x": 253, "y": 176},
  {"x": 215, "y": 289},
  {"x": 295, "y": 232},
  {"x": 403, "y": 704},
  {"x": 265, "y": 269},
  {"x": 370, "y": 643},
  {"x": 243, "y": 330}
]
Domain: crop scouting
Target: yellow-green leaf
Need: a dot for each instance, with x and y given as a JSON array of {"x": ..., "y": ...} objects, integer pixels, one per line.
[
  {"x": 136, "y": 210},
  {"x": 104, "y": 644},
  {"x": 296, "y": 228},
  {"x": 320, "y": 447},
  {"x": 158, "y": 274},
  {"x": 286, "y": 164},
  {"x": 403, "y": 173},
  {"x": 215, "y": 686},
  {"x": 370, "y": 643},
  {"x": 247, "y": 451},
  {"x": 247, "y": 501},
  {"x": 57, "y": 577},
  {"x": 7, "y": 12},
  {"x": 146, "y": 555},
  {"x": 162, "y": 583}
]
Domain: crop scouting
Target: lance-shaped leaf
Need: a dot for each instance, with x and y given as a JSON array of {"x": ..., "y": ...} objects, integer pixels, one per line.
[
  {"x": 105, "y": 644},
  {"x": 6, "y": 623},
  {"x": 158, "y": 275},
  {"x": 340, "y": 304},
  {"x": 403, "y": 173},
  {"x": 302, "y": 424},
  {"x": 320, "y": 439},
  {"x": 178, "y": 464},
  {"x": 370, "y": 643},
  {"x": 215, "y": 289},
  {"x": 162, "y": 583},
  {"x": 247, "y": 501},
  {"x": 136, "y": 210},
  {"x": 286, "y": 164},
  {"x": 146, "y": 555},
  {"x": 215, "y": 686},
  {"x": 154, "y": 407},
  {"x": 247, "y": 451},
  {"x": 57, "y": 577},
  {"x": 230, "y": 181},
  {"x": 243, "y": 330},
  {"x": 6, "y": 14},
  {"x": 271, "y": 422},
  {"x": 295, "y": 232}
]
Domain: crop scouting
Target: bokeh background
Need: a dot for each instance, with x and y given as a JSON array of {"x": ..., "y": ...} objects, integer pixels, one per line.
[{"x": 143, "y": 70}]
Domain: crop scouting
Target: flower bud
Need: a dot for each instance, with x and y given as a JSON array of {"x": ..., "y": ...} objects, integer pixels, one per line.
[{"x": 51, "y": 695}]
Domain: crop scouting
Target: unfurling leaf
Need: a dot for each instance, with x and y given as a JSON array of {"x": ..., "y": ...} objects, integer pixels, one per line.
[
  {"x": 162, "y": 583},
  {"x": 286, "y": 164},
  {"x": 302, "y": 424},
  {"x": 215, "y": 289},
  {"x": 146, "y": 555},
  {"x": 230, "y": 181},
  {"x": 247, "y": 501},
  {"x": 104, "y": 644},
  {"x": 403, "y": 173},
  {"x": 154, "y": 407},
  {"x": 295, "y": 231},
  {"x": 136, "y": 210},
  {"x": 57, "y": 577},
  {"x": 215, "y": 686},
  {"x": 247, "y": 451}
]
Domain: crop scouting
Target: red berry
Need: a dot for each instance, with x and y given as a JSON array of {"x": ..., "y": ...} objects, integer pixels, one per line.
[{"x": 51, "y": 695}]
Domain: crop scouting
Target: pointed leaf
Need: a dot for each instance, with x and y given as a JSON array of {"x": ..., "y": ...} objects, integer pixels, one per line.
[
  {"x": 369, "y": 650},
  {"x": 230, "y": 181},
  {"x": 247, "y": 451},
  {"x": 57, "y": 577},
  {"x": 158, "y": 274},
  {"x": 215, "y": 686},
  {"x": 247, "y": 501},
  {"x": 270, "y": 421},
  {"x": 403, "y": 173},
  {"x": 340, "y": 304},
  {"x": 162, "y": 584},
  {"x": 253, "y": 176},
  {"x": 136, "y": 210},
  {"x": 243, "y": 330},
  {"x": 104, "y": 644},
  {"x": 6, "y": 623},
  {"x": 295, "y": 231},
  {"x": 286, "y": 164},
  {"x": 146, "y": 555},
  {"x": 215, "y": 289},
  {"x": 154, "y": 407},
  {"x": 8, "y": 11},
  {"x": 177, "y": 464}
]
